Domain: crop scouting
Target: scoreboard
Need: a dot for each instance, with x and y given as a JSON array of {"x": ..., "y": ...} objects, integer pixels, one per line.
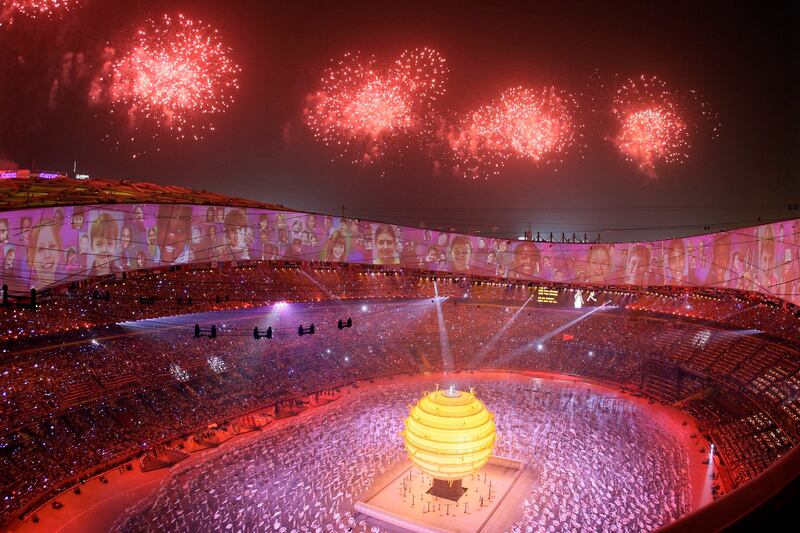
[{"x": 547, "y": 296}]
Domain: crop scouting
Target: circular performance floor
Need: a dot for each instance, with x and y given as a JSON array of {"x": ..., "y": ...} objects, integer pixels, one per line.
[{"x": 603, "y": 459}]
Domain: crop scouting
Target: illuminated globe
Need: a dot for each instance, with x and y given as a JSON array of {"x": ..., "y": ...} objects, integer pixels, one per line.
[{"x": 449, "y": 434}]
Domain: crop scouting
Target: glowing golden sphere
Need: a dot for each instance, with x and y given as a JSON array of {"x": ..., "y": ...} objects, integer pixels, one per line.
[{"x": 449, "y": 434}]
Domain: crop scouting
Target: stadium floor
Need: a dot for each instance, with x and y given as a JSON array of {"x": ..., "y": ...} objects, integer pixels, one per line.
[{"x": 99, "y": 505}]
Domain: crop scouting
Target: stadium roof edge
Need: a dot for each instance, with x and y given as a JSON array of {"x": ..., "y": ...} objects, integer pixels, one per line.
[{"x": 63, "y": 191}]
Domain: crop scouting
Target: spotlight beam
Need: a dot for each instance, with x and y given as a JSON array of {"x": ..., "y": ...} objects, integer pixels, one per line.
[
  {"x": 531, "y": 345},
  {"x": 444, "y": 341},
  {"x": 325, "y": 290},
  {"x": 481, "y": 355}
]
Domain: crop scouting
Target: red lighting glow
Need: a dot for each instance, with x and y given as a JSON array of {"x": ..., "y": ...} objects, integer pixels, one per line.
[
  {"x": 527, "y": 124},
  {"x": 36, "y": 8},
  {"x": 176, "y": 76},
  {"x": 655, "y": 125},
  {"x": 362, "y": 108}
]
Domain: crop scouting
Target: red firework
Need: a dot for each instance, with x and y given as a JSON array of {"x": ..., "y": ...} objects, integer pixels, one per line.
[
  {"x": 176, "y": 77},
  {"x": 525, "y": 124},
  {"x": 34, "y": 9},
  {"x": 655, "y": 125},
  {"x": 652, "y": 135},
  {"x": 362, "y": 107}
]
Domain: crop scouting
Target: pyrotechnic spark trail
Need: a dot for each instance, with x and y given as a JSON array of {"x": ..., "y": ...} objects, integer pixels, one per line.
[
  {"x": 523, "y": 123},
  {"x": 176, "y": 76},
  {"x": 656, "y": 125},
  {"x": 36, "y": 8},
  {"x": 362, "y": 108}
]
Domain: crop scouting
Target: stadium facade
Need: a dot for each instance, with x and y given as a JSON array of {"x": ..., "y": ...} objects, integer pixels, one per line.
[{"x": 87, "y": 228}]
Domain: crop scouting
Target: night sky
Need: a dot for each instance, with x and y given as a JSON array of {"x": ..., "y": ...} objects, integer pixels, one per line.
[{"x": 743, "y": 60}]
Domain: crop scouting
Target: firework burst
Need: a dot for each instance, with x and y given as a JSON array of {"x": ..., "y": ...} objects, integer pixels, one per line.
[
  {"x": 35, "y": 8},
  {"x": 525, "y": 124},
  {"x": 362, "y": 108},
  {"x": 175, "y": 78},
  {"x": 655, "y": 125}
]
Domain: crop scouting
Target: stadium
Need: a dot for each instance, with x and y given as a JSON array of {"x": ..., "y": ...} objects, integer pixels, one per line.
[
  {"x": 645, "y": 385},
  {"x": 402, "y": 267}
]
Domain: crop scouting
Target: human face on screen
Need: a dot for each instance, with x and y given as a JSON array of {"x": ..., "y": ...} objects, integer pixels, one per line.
[
  {"x": 102, "y": 248},
  {"x": 637, "y": 265},
  {"x": 3, "y": 230},
  {"x": 386, "y": 246},
  {"x": 46, "y": 254},
  {"x": 85, "y": 246},
  {"x": 138, "y": 214},
  {"x": 461, "y": 254},
  {"x": 151, "y": 236},
  {"x": 25, "y": 236},
  {"x": 9, "y": 259},
  {"x": 599, "y": 265},
  {"x": 126, "y": 237},
  {"x": 525, "y": 259},
  {"x": 338, "y": 252},
  {"x": 171, "y": 241}
]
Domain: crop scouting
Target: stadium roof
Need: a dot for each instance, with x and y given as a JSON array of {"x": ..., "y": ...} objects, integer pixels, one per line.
[{"x": 35, "y": 192}]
